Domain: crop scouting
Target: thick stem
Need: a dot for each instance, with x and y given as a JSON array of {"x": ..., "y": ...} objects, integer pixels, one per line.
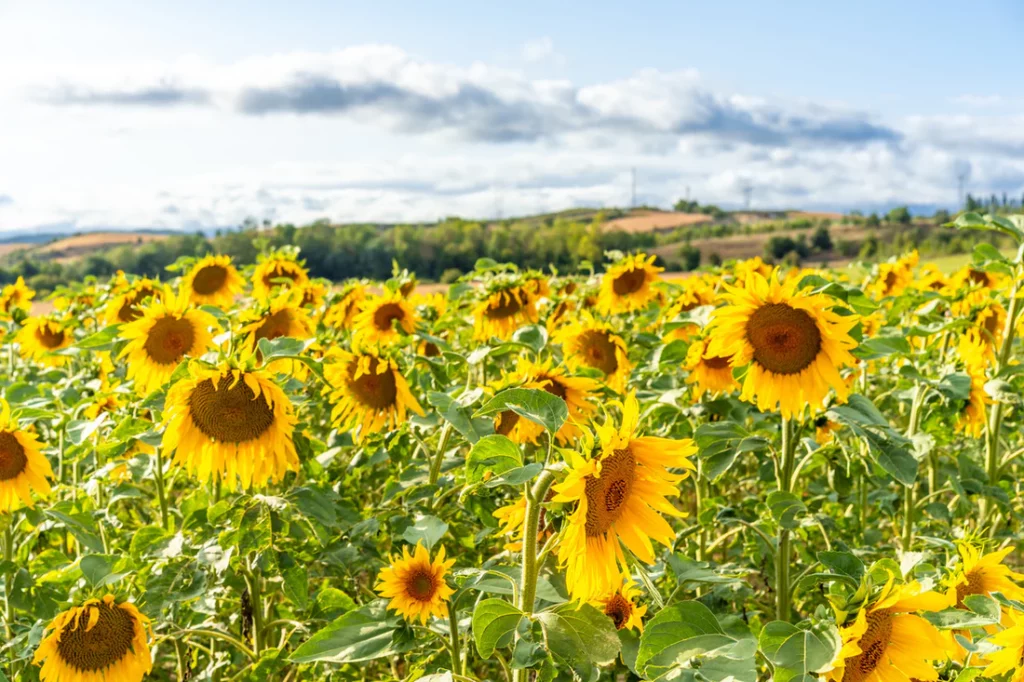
[
  {"x": 160, "y": 493},
  {"x": 913, "y": 426},
  {"x": 528, "y": 593},
  {"x": 252, "y": 581},
  {"x": 8, "y": 580},
  {"x": 453, "y": 631},
  {"x": 435, "y": 466},
  {"x": 787, "y": 463}
]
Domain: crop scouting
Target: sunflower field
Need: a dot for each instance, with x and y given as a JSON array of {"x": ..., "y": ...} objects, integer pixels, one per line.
[{"x": 240, "y": 474}]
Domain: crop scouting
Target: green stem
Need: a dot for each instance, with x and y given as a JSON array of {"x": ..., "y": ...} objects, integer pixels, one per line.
[
  {"x": 435, "y": 466},
  {"x": 252, "y": 581},
  {"x": 528, "y": 594},
  {"x": 702, "y": 537},
  {"x": 8, "y": 580},
  {"x": 453, "y": 632},
  {"x": 160, "y": 493},
  {"x": 914, "y": 424},
  {"x": 787, "y": 463}
]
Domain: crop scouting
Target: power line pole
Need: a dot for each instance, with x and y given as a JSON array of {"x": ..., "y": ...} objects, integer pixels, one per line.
[
  {"x": 747, "y": 190},
  {"x": 961, "y": 180}
]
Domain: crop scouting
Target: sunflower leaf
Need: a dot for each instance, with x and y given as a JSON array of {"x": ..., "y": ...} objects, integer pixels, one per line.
[
  {"x": 427, "y": 529},
  {"x": 797, "y": 653},
  {"x": 494, "y": 623},
  {"x": 494, "y": 454},
  {"x": 537, "y": 405},
  {"x": 357, "y": 636},
  {"x": 579, "y": 637},
  {"x": 686, "y": 631}
]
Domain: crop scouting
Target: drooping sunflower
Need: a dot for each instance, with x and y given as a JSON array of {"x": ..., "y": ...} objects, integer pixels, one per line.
[
  {"x": 385, "y": 319},
  {"x": 977, "y": 574},
  {"x": 794, "y": 344},
  {"x": 622, "y": 608},
  {"x": 512, "y": 522},
  {"x": 40, "y": 337},
  {"x": 99, "y": 641},
  {"x": 1010, "y": 658},
  {"x": 213, "y": 280},
  {"x": 233, "y": 425},
  {"x": 887, "y": 642},
  {"x": 503, "y": 310},
  {"x": 974, "y": 354},
  {"x": 342, "y": 313},
  {"x": 416, "y": 585},
  {"x": 588, "y": 342},
  {"x": 709, "y": 373},
  {"x": 16, "y": 296},
  {"x": 283, "y": 317},
  {"x": 23, "y": 467},
  {"x": 696, "y": 292},
  {"x": 312, "y": 294},
  {"x": 537, "y": 283},
  {"x": 368, "y": 391},
  {"x": 277, "y": 271},
  {"x": 628, "y": 284},
  {"x": 619, "y": 493},
  {"x": 168, "y": 331},
  {"x": 559, "y": 314},
  {"x": 125, "y": 305},
  {"x": 577, "y": 392}
]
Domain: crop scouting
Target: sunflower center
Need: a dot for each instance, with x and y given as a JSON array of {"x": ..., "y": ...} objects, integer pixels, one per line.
[
  {"x": 619, "y": 610},
  {"x": 279, "y": 272},
  {"x": 975, "y": 585},
  {"x": 553, "y": 387},
  {"x": 717, "y": 362},
  {"x": 978, "y": 277},
  {"x": 873, "y": 644},
  {"x": 169, "y": 339},
  {"x": 507, "y": 305},
  {"x": 229, "y": 414},
  {"x": 49, "y": 336},
  {"x": 210, "y": 279},
  {"x": 386, "y": 314},
  {"x": 505, "y": 422},
  {"x": 890, "y": 281},
  {"x": 786, "y": 340},
  {"x": 431, "y": 350},
  {"x": 420, "y": 585},
  {"x": 608, "y": 493},
  {"x": 103, "y": 646},
  {"x": 377, "y": 391},
  {"x": 275, "y": 326},
  {"x": 12, "y": 456},
  {"x": 129, "y": 309},
  {"x": 407, "y": 288},
  {"x": 629, "y": 282},
  {"x": 599, "y": 351},
  {"x": 991, "y": 324}
]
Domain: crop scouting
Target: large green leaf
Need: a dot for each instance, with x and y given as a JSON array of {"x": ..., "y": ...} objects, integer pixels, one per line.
[
  {"x": 494, "y": 623},
  {"x": 892, "y": 451},
  {"x": 494, "y": 455},
  {"x": 357, "y": 636},
  {"x": 456, "y": 413},
  {"x": 534, "y": 404},
  {"x": 579, "y": 637},
  {"x": 797, "y": 654},
  {"x": 686, "y": 631},
  {"x": 427, "y": 529}
]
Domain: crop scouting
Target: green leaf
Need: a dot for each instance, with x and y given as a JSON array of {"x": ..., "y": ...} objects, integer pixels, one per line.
[
  {"x": 720, "y": 443},
  {"x": 458, "y": 416},
  {"x": 891, "y": 450},
  {"x": 281, "y": 347},
  {"x": 843, "y": 563},
  {"x": 797, "y": 654},
  {"x": 296, "y": 586},
  {"x": 98, "y": 570},
  {"x": 785, "y": 508},
  {"x": 494, "y": 622},
  {"x": 427, "y": 529},
  {"x": 101, "y": 340},
  {"x": 690, "y": 630},
  {"x": 1003, "y": 392},
  {"x": 579, "y": 637},
  {"x": 494, "y": 454},
  {"x": 355, "y": 637},
  {"x": 534, "y": 336},
  {"x": 882, "y": 346},
  {"x": 516, "y": 476},
  {"x": 537, "y": 405}
]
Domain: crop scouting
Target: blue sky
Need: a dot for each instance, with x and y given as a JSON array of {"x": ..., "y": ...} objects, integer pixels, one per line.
[{"x": 194, "y": 114}]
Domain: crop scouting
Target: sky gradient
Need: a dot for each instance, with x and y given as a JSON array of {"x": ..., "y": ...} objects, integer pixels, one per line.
[{"x": 190, "y": 115}]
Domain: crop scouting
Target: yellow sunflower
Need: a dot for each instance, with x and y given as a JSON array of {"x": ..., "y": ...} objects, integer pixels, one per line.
[
  {"x": 792, "y": 342},
  {"x": 312, "y": 294},
  {"x": 974, "y": 355},
  {"x": 619, "y": 493},
  {"x": 416, "y": 585},
  {"x": 124, "y": 306},
  {"x": 559, "y": 315},
  {"x": 708, "y": 373},
  {"x": 930, "y": 278},
  {"x": 230, "y": 424},
  {"x": 628, "y": 284},
  {"x": 167, "y": 332},
  {"x": 537, "y": 284},
  {"x": 368, "y": 391},
  {"x": 40, "y": 337},
  {"x": 622, "y": 608},
  {"x": 1010, "y": 658},
  {"x": 213, "y": 280},
  {"x": 277, "y": 271},
  {"x": 825, "y": 430},
  {"x": 281, "y": 318},
  {"x": 977, "y": 574},
  {"x": 385, "y": 319},
  {"x": 503, "y": 310},
  {"x": 342, "y": 313},
  {"x": 99, "y": 641},
  {"x": 588, "y": 342},
  {"x": 968, "y": 277},
  {"x": 892, "y": 279},
  {"x": 512, "y": 521},
  {"x": 697, "y": 292},
  {"x": 16, "y": 296},
  {"x": 577, "y": 392},
  {"x": 23, "y": 467},
  {"x": 751, "y": 266},
  {"x": 887, "y": 642}
]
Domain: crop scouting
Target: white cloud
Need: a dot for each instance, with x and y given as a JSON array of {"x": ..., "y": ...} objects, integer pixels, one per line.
[{"x": 541, "y": 50}]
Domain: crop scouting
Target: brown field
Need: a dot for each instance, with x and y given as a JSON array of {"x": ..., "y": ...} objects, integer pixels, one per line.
[
  {"x": 815, "y": 215},
  {"x": 80, "y": 245},
  {"x": 12, "y": 247},
  {"x": 656, "y": 221}
]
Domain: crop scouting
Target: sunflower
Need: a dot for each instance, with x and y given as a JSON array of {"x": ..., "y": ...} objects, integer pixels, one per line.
[
  {"x": 622, "y": 608},
  {"x": 433, "y": 305},
  {"x": 619, "y": 491},
  {"x": 751, "y": 266},
  {"x": 974, "y": 354},
  {"x": 416, "y": 585},
  {"x": 312, "y": 294},
  {"x": 577, "y": 392},
  {"x": 886, "y": 642},
  {"x": 385, "y": 319},
  {"x": 167, "y": 332},
  {"x": 16, "y": 296},
  {"x": 590, "y": 343},
  {"x": 793, "y": 342},
  {"x": 281, "y": 318},
  {"x": 40, "y": 337},
  {"x": 968, "y": 278},
  {"x": 231, "y": 425},
  {"x": 627, "y": 285},
  {"x": 99, "y": 641},
  {"x": 1010, "y": 658},
  {"x": 931, "y": 278},
  {"x": 512, "y": 522},
  {"x": 276, "y": 271},
  {"x": 825, "y": 430},
  {"x": 213, "y": 280},
  {"x": 23, "y": 467},
  {"x": 368, "y": 391},
  {"x": 342, "y": 313},
  {"x": 125, "y": 304},
  {"x": 503, "y": 310},
  {"x": 708, "y": 373},
  {"x": 559, "y": 315},
  {"x": 697, "y": 292},
  {"x": 537, "y": 284},
  {"x": 892, "y": 279},
  {"x": 977, "y": 574}
]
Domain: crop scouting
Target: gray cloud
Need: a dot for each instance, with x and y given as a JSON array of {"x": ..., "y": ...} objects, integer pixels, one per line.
[
  {"x": 6, "y": 199},
  {"x": 155, "y": 96}
]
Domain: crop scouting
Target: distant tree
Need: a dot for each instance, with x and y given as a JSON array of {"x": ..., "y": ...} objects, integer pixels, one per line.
[
  {"x": 450, "y": 275},
  {"x": 686, "y": 206},
  {"x": 690, "y": 256},
  {"x": 869, "y": 249},
  {"x": 941, "y": 216},
  {"x": 821, "y": 240},
  {"x": 900, "y": 214},
  {"x": 714, "y": 259},
  {"x": 872, "y": 220}
]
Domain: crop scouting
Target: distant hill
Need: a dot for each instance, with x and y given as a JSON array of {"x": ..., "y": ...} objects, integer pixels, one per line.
[{"x": 64, "y": 248}]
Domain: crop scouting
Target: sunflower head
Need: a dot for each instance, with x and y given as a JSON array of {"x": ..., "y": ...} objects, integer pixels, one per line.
[
  {"x": 709, "y": 373},
  {"x": 982, "y": 574},
  {"x": 416, "y": 585},
  {"x": 579, "y": 393},
  {"x": 213, "y": 280},
  {"x": 312, "y": 294},
  {"x": 23, "y": 467},
  {"x": 278, "y": 270},
  {"x": 368, "y": 391},
  {"x": 385, "y": 319},
  {"x": 592, "y": 344},
  {"x": 16, "y": 296},
  {"x": 281, "y": 317},
  {"x": 341, "y": 314},
  {"x": 627, "y": 285},
  {"x": 621, "y": 606},
  {"x": 41, "y": 336},
  {"x": 751, "y": 266},
  {"x": 125, "y": 305},
  {"x": 230, "y": 424},
  {"x": 506, "y": 305}
]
